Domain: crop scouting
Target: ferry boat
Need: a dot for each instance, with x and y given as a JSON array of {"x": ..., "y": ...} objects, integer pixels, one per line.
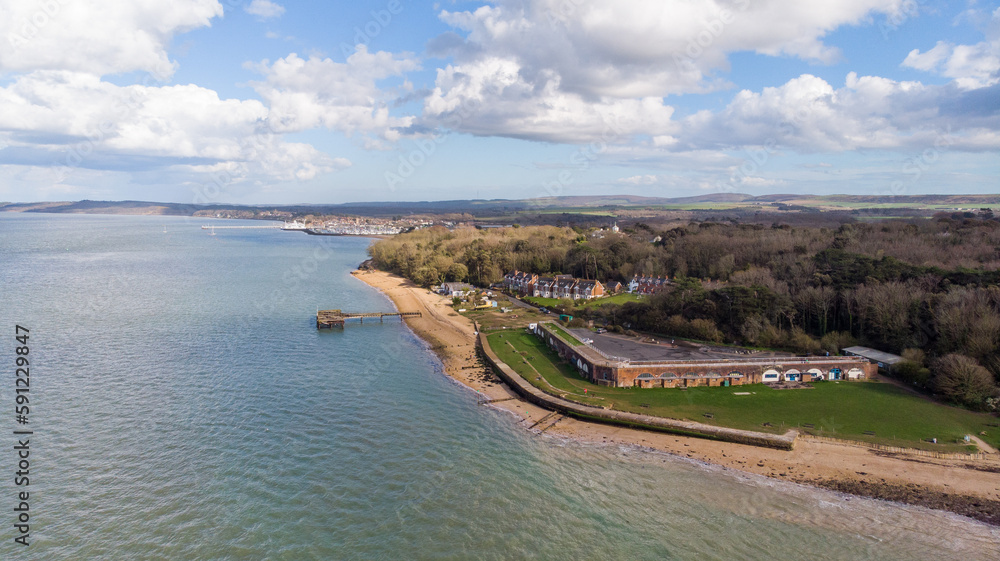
[{"x": 294, "y": 226}]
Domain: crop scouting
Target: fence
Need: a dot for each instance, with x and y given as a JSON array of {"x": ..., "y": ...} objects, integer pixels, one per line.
[
  {"x": 900, "y": 450},
  {"x": 590, "y": 346}
]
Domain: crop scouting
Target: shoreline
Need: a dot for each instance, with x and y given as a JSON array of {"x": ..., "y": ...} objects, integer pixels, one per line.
[{"x": 959, "y": 486}]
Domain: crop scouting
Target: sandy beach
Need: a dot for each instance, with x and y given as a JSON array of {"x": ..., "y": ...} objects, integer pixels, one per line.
[{"x": 965, "y": 487}]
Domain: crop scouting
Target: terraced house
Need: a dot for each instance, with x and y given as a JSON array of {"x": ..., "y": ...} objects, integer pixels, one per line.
[
  {"x": 521, "y": 282},
  {"x": 647, "y": 284},
  {"x": 559, "y": 286}
]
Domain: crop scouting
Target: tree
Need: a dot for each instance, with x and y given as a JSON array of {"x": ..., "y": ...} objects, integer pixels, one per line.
[
  {"x": 426, "y": 277},
  {"x": 961, "y": 379},
  {"x": 457, "y": 272},
  {"x": 802, "y": 342},
  {"x": 911, "y": 368},
  {"x": 834, "y": 341}
]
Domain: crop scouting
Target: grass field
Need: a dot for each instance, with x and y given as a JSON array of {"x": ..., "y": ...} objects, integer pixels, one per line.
[
  {"x": 616, "y": 299},
  {"x": 841, "y": 410},
  {"x": 544, "y": 302},
  {"x": 537, "y": 364},
  {"x": 564, "y": 334}
]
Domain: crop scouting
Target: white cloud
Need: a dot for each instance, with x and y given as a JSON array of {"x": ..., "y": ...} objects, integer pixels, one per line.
[
  {"x": 492, "y": 97},
  {"x": 264, "y": 9},
  {"x": 560, "y": 70},
  {"x": 754, "y": 182},
  {"x": 640, "y": 180},
  {"x": 640, "y": 48},
  {"x": 970, "y": 66},
  {"x": 97, "y": 36},
  {"x": 807, "y": 114},
  {"x": 309, "y": 93},
  {"x": 76, "y": 120},
  {"x": 664, "y": 141}
]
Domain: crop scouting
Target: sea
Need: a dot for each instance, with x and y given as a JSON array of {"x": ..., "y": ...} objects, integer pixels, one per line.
[{"x": 183, "y": 405}]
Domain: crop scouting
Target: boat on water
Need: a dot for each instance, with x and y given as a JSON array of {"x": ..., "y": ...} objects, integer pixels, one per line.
[{"x": 295, "y": 225}]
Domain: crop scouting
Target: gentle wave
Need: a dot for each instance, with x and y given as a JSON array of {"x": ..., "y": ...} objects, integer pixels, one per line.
[{"x": 177, "y": 420}]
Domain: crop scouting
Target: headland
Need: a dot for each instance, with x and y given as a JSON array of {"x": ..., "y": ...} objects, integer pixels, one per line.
[{"x": 968, "y": 488}]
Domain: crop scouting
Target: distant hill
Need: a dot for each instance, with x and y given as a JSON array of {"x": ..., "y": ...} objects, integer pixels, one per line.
[
  {"x": 503, "y": 206},
  {"x": 108, "y": 207},
  {"x": 984, "y": 200}
]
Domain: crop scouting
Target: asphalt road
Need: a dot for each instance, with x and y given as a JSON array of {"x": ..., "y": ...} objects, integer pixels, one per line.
[{"x": 519, "y": 304}]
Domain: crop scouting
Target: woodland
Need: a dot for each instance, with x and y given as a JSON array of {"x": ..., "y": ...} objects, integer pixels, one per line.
[{"x": 926, "y": 289}]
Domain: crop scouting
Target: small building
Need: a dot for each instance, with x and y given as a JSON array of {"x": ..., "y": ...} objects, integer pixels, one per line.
[
  {"x": 884, "y": 360},
  {"x": 455, "y": 289}
]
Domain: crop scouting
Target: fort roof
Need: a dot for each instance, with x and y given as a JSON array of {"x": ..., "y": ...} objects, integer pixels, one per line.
[{"x": 885, "y": 358}]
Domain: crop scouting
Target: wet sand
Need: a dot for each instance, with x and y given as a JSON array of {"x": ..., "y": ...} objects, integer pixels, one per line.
[{"x": 962, "y": 486}]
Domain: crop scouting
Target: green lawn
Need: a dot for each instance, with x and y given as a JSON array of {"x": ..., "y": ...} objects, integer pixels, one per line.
[
  {"x": 564, "y": 334},
  {"x": 846, "y": 410},
  {"x": 616, "y": 299},
  {"x": 533, "y": 359},
  {"x": 544, "y": 302}
]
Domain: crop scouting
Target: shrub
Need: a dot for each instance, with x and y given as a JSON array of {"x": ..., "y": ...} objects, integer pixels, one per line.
[
  {"x": 961, "y": 379},
  {"x": 802, "y": 342},
  {"x": 911, "y": 369},
  {"x": 834, "y": 341}
]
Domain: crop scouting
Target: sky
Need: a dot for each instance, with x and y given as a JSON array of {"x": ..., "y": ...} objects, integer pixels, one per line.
[{"x": 281, "y": 102}]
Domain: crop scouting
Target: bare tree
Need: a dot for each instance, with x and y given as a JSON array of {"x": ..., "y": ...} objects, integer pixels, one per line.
[{"x": 962, "y": 379}]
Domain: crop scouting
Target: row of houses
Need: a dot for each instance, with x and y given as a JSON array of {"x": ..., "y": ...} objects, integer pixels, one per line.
[
  {"x": 559, "y": 286},
  {"x": 647, "y": 284}
]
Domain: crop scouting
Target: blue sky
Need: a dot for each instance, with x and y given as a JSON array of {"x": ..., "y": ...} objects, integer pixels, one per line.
[{"x": 270, "y": 101}]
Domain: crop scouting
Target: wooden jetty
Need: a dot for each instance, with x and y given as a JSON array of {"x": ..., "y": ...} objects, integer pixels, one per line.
[{"x": 336, "y": 318}]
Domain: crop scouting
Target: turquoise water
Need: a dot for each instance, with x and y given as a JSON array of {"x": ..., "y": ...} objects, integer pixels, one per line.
[{"x": 185, "y": 407}]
